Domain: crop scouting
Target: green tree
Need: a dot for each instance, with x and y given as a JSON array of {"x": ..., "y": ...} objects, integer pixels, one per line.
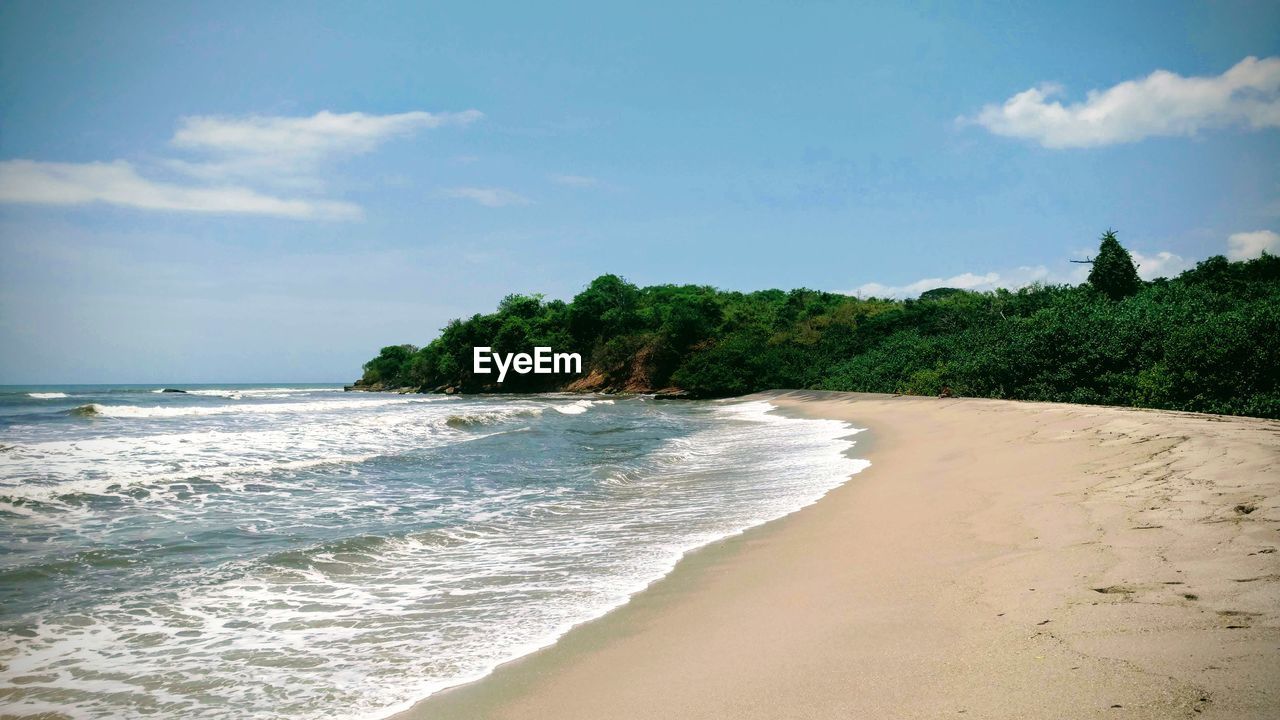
[
  {"x": 1204, "y": 341},
  {"x": 606, "y": 307},
  {"x": 390, "y": 365},
  {"x": 1113, "y": 273}
]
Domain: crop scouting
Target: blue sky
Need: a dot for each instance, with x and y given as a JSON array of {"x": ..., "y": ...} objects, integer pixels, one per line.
[{"x": 270, "y": 192}]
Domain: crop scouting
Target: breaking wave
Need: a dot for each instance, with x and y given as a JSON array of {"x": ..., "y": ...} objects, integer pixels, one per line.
[{"x": 318, "y": 557}]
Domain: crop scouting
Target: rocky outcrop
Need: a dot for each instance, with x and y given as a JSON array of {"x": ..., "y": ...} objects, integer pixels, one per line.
[
  {"x": 593, "y": 381},
  {"x": 632, "y": 378}
]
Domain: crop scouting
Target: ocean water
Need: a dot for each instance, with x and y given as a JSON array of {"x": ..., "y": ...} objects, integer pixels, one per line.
[{"x": 300, "y": 552}]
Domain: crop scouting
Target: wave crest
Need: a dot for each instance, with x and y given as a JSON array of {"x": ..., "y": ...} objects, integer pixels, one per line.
[
  {"x": 464, "y": 421},
  {"x": 580, "y": 406},
  {"x": 157, "y": 411}
]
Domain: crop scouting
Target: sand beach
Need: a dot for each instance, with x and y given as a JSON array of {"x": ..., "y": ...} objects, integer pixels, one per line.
[{"x": 997, "y": 560}]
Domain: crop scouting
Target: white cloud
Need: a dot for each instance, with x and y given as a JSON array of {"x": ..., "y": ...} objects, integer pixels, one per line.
[
  {"x": 1160, "y": 264},
  {"x": 488, "y": 196},
  {"x": 234, "y": 158},
  {"x": 1014, "y": 279},
  {"x": 1161, "y": 104},
  {"x": 118, "y": 183},
  {"x": 1150, "y": 266},
  {"x": 324, "y": 132},
  {"x": 1249, "y": 245},
  {"x": 574, "y": 180},
  {"x": 290, "y": 149}
]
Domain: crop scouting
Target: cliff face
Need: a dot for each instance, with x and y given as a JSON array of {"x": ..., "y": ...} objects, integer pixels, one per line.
[{"x": 637, "y": 383}]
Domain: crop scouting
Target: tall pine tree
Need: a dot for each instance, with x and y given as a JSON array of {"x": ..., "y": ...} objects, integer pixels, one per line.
[{"x": 1113, "y": 273}]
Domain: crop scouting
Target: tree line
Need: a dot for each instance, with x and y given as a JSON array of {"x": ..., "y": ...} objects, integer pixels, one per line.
[{"x": 1208, "y": 340}]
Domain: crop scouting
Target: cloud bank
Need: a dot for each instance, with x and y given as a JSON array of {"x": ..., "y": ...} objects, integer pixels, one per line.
[
  {"x": 1161, "y": 104},
  {"x": 232, "y": 163}
]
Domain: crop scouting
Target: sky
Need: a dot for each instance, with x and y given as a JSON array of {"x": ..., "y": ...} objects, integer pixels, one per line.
[{"x": 269, "y": 192}]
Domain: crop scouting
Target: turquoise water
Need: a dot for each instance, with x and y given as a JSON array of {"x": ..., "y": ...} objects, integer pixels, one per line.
[{"x": 300, "y": 552}]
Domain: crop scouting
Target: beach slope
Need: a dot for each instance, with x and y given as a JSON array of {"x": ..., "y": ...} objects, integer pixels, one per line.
[{"x": 997, "y": 560}]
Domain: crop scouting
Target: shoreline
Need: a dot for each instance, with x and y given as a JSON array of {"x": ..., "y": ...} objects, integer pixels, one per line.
[
  {"x": 1006, "y": 559},
  {"x": 846, "y": 435}
]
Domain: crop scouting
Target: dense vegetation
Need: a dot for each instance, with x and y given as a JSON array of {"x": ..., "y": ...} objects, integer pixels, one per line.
[{"x": 1208, "y": 340}]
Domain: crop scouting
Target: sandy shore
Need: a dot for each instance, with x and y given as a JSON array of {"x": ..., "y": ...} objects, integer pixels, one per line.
[{"x": 997, "y": 560}]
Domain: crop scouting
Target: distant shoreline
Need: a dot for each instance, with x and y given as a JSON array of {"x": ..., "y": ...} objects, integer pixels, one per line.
[{"x": 1001, "y": 559}]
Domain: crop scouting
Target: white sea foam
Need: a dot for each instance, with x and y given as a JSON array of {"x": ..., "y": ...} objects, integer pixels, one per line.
[
  {"x": 46, "y": 395},
  {"x": 278, "y": 392},
  {"x": 161, "y": 411},
  {"x": 230, "y": 394},
  {"x": 242, "y": 393},
  {"x": 367, "y": 624},
  {"x": 326, "y": 433},
  {"x": 580, "y": 406}
]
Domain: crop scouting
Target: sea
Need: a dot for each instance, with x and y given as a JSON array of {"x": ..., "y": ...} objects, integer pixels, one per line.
[{"x": 296, "y": 551}]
